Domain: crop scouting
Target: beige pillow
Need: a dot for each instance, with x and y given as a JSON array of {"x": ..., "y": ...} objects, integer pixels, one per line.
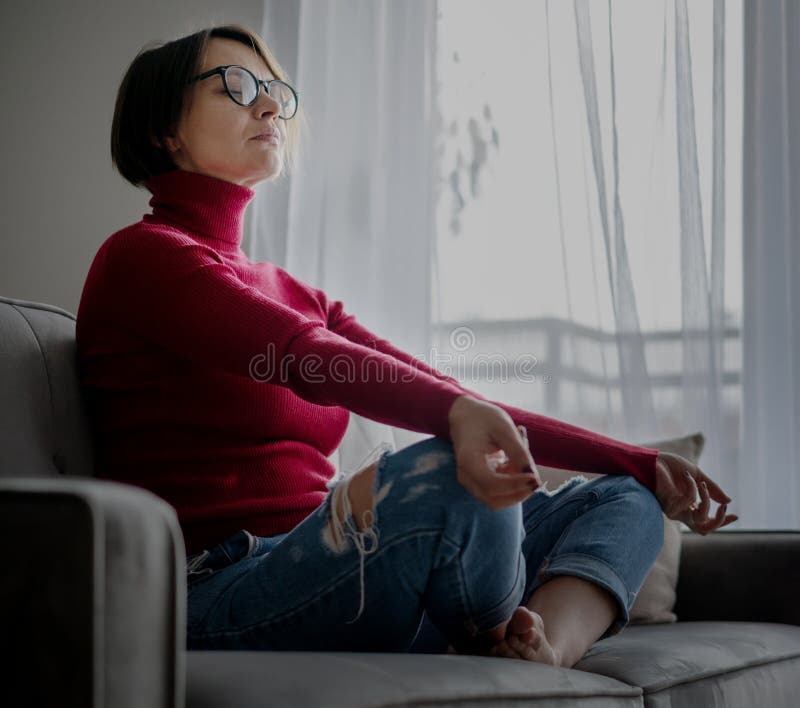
[{"x": 656, "y": 598}]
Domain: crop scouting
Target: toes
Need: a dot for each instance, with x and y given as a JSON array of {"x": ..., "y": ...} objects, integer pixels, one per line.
[
  {"x": 532, "y": 639},
  {"x": 538, "y": 622},
  {"x": 521, "y": 621},
  {"x": 509, "y": 649},
  {"x": 516, "y": 645},
  {"x": 523, "y": 650},
  {"x": 510, "y": 652}
]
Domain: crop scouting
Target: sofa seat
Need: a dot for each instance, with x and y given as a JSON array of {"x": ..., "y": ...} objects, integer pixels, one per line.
[
  {"x": 371, "y": 679},
  {"x": 685, "y": 664},
  {"x": 704, "y": 663}
]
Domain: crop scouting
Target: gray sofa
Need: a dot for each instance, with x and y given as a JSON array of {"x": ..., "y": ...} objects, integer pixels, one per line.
[{"x": 93, "y": 597}]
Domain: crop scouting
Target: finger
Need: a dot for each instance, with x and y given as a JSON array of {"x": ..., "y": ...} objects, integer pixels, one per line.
[
  {"x": 693, "y": 491},
  {"x": 503, "y": 480},
  {"x": 714, "y": 490},
  {"x": 720, "y": 515},
  {"x": 523, "y": 433},
  {"x": 523, "y": 489},
  {"x": 510, "y": 489},
  {"x": 705, "y": 500},
  {"x": 487, "y": 485},
  {"x": 511, "y": 440},
  {"x": 714, "y": 523}
]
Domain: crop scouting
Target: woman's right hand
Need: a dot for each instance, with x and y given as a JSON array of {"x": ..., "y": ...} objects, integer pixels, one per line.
[
  {"x": 479, "y": 428},
  {"x": 678, "y": 482}
]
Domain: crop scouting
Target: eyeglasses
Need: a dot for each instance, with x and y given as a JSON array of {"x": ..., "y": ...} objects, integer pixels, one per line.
[{"x": 243, "y": 88}]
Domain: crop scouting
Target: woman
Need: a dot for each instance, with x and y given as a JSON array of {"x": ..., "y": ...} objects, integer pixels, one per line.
[{"x": 223, "y": 385}]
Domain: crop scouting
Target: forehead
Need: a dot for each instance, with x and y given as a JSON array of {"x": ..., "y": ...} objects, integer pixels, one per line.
[{"x": 222, "y": 51}]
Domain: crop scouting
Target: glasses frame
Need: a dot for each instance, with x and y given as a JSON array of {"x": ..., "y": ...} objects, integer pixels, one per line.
[{"x": 222, "y": 71}]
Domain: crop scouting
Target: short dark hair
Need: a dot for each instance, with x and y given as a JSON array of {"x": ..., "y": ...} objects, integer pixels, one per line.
[{"x": 151, "y": 97}]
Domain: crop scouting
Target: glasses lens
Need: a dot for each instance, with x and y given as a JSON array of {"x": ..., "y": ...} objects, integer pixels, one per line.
[
  {"x": 244, "y": 89},
  {"x": 285, "y": 97},
  {"x": 241, "y": 84}
]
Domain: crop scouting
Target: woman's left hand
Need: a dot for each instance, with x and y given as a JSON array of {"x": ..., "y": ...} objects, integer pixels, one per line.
[{"x": 678, "y": 482}]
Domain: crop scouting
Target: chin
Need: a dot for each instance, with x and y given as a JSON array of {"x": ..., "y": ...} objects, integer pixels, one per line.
[
  {"x": 265, "y": 171},
  {"x": 273, "y": 173}
]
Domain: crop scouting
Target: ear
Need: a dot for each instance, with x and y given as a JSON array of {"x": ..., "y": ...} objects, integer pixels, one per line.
[{"x": 169, "y": 143}]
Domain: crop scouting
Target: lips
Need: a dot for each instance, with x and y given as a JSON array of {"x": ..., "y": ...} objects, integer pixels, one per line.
[{"x": 268, "y": 134}]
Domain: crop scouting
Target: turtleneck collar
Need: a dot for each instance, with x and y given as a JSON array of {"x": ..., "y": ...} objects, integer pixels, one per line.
[{"x": 208, "y": 207}]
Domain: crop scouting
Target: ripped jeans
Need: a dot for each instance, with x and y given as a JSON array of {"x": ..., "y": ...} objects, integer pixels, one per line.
[{"x": 432, "y": 566}]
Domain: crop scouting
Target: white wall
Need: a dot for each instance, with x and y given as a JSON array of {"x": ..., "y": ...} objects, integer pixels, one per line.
[{"x": 61, "y": 63}]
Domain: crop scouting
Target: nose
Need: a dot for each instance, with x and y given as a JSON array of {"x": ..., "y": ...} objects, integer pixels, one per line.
[{"x": 264, "y": 103}]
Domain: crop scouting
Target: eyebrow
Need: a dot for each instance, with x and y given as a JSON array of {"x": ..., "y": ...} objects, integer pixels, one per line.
[
  {"x": 255, "y": 73},
  {"x": 246, "y": 67}
]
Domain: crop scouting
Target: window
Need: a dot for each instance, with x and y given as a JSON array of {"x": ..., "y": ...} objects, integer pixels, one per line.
[{"x": 516, "y": 276}]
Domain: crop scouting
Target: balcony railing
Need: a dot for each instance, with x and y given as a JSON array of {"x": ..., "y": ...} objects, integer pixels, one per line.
[{"x": 490, "y": 356}]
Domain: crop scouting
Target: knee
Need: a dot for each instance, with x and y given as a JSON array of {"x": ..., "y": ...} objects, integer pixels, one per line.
[
  {"x": 433, "y": 461},
  {"x": 464, "y": 508},
  {"x": 429, "y": 456},
  {"x": 430, "y": 462}
]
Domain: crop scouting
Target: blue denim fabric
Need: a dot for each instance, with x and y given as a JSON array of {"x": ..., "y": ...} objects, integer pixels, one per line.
[{"x": 434, "y": 566}]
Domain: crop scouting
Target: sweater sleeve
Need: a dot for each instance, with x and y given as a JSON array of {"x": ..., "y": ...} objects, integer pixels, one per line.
[
  {"x": 348, "y": 326},
  {"x": 181, "y": 295},
  {"x": 553, "y": 443}
]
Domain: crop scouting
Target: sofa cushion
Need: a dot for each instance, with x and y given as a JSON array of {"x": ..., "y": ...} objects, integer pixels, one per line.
[
  {"x": 254, "y": 679},
  {"x": 704, "y": 663},
  {"x": 44, "y": 426}
]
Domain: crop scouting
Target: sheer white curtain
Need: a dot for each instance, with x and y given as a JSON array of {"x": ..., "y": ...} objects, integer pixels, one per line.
[
  {"x": 699, "y": 280},
  {"x": 771, "y": 235}
]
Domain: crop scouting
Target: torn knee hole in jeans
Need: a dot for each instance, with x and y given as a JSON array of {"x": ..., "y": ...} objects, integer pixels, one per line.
[
  {"x": 428, "y": 463},
  {"x": 424, "y": 464},
  {"x": 338, "y": 529}
]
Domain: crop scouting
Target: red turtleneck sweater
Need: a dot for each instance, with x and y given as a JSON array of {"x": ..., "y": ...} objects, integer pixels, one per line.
[{"x": 223, "y": 385}]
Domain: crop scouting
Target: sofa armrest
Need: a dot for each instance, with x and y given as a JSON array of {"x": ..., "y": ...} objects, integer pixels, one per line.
[
  {"x": 93, "y": 597},
  {"x": 750, "y": 576}
]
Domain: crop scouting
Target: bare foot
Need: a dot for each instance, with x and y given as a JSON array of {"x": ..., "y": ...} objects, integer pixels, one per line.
[{"x": 521, "y": 637}]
